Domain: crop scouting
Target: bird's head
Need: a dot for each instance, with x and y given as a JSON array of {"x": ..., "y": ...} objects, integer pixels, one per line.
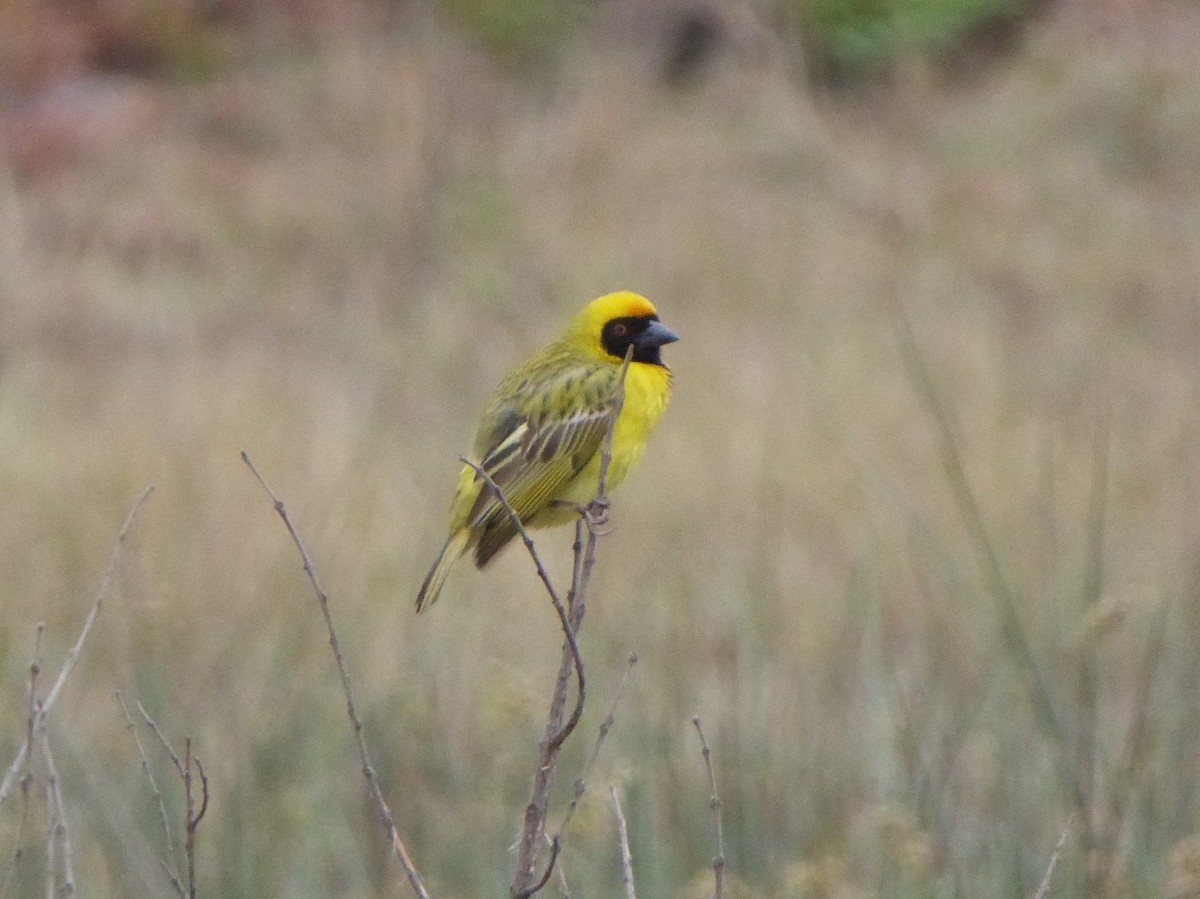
[{"x": 610, "y": 324}]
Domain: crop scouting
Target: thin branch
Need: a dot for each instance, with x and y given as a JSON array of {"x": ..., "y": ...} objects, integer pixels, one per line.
[
  {"x": 194, "y": 815},
  {"x": 1044, "y": 888},
  {"x": 164, "y": 822},
  {"x": 35, "y": 669},
  {"x": 110, "y": 572},
  {"x": 162, "y": 739},
  {"x": 576, "y": 561},
  {"x": 18, "y": 846},
  {"x": 568, "y": 631},
  {"x": 176, "y": 883},
  {"x": 183, "y": 769},
  {"x": 502, "y": 498},
  {"x": 368, "y": 770},
  {"x": 77, "y": 648},
  {"x": 58, "y": 834},
  {"x": 560, "y": 869},
  {"x": 626, "y": 855},
  {"x": 582, "y": 571},
  {"x": 533, "y": 831},
  {"x": 51, "y": 868},
  {"x": 605, "y": 727},
  {"x": 714, "y": 803},
  {"x": 34, "y": 702},
  {"x": 555, "y": 849},
  {"x": 189, "y": 799}
]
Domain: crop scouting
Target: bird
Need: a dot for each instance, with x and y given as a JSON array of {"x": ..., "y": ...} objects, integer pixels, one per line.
[{"x": 539, "y": 437}]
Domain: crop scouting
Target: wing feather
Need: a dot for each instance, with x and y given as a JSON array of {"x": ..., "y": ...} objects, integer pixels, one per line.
[{"x": 534, "y": 456}]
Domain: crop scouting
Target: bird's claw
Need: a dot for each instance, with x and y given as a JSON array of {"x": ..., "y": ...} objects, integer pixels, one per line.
[{"x": 595, "y": 515}]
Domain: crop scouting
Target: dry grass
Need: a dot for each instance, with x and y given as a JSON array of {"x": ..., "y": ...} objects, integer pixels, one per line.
[{"x": 329, "y": 259}]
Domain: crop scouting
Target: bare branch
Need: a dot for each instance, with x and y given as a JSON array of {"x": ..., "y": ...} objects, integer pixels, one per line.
[
  {"x": 194, "y": 815},
  {"x": 34, "y": 702},
  {"x": 18, "y": 844},
  {"x": 714, "y": 803},
  {"x": 77, "y": 648},
  {"x": 605, "y": 727},
  {"x": 35, "y": 668},
  {"x": 51, "y": 867},
  {"x": 561, "y": 869},
  {"x": 58, "y": 836},
  {"x": 626, "y": 855},
  {"x": 555, "y": 849},
  {"x": 525, "y": 883},
  {"x": 368, "y": 770},
  {"x": 1044, "y": 889},
  {"x": 517, "y": 524},
  {"x": 183, "y": 767},
  {"x": 176, "y": 883},
  {"x": 568, "y": 631},
  {"x": 164, "y": 823},
  {"x": 162, "y": 739}
]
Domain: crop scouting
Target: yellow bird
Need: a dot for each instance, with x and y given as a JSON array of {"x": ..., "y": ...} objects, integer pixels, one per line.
[{"x": 539, "y": 438}]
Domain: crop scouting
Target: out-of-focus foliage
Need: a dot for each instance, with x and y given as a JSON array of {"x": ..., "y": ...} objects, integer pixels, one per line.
[
  {"x": 850, "y": 39},
  {"x": 177, "y": 39},
  {"x": 190, "y": 39},
  {"x": 524, "y": 35}
]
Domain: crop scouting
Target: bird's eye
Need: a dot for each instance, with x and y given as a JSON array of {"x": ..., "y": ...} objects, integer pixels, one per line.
[{"x": 620, "y": 329}]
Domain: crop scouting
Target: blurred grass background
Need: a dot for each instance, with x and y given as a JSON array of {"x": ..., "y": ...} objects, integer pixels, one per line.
[{"x": 932, "y": 595}]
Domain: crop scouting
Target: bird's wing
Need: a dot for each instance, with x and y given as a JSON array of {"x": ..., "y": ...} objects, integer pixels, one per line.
[{"x": 534, "y": 456}]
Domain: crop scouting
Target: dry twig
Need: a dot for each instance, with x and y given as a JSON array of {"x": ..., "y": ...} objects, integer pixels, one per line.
[
  {"x": 605, "y": 727},
  {"x": 368, "y": 770},
  {"x": 35, "y": 669},
  {"x": 568, "y": 631},
  {"x": 51, "y": 866},
  {"x": 714, "y": 803},
  {"x": 18, "y": 852},
  {"x": 168, "y": 862},
  {"x": 57, "y": 864},
  {"x": 73, "y": 653},
  {"x": 563, "y": 887},
  {"x": 626, "y": 855},
  {"x": 525, "y": 882},
  {"x": 33, "y": 701},
  {"x": 192, "y": 816},
  {"x": 1044, "y": 888},
  {"x": 58, "y": 841}
]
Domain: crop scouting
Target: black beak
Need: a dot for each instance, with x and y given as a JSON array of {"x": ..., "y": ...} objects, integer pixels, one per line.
[{"x": 656, "y": 334}]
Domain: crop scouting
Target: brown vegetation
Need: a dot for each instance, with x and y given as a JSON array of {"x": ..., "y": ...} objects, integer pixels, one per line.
[{"x": 917, "y": 539}]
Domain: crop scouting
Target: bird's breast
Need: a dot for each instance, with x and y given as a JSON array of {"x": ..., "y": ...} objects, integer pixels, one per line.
[{"x": 647, "y": 391}]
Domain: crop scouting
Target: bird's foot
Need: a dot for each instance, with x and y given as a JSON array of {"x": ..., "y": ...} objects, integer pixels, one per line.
[{"x": 594, "y": 513}]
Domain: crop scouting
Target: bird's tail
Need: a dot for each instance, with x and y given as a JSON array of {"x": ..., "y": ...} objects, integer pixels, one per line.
[{"x": 455, "y": 546}]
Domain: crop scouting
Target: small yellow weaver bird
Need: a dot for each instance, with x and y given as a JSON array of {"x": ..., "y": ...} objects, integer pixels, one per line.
[{"x": 540, "y": 436}]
